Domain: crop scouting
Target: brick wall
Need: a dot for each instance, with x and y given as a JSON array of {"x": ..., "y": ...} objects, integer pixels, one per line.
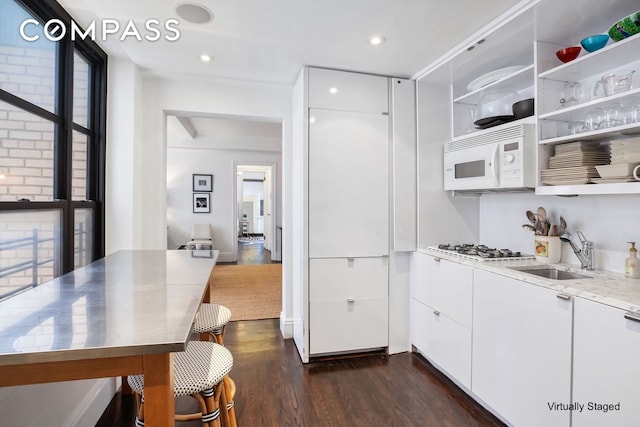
[
  {"x": 27, "y": 164},
  {"x": 26, "y": 141}
]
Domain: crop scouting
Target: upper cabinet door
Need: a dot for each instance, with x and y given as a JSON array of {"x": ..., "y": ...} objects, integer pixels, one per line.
[
  {"x": 348, "y": 184},
  {"x": 339, "y": 90}
]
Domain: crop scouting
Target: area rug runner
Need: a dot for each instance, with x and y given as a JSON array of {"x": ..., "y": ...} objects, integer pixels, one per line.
[{"x": 252, "y": 291}]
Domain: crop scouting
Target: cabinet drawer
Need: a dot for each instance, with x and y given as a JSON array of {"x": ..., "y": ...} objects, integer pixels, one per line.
[
  {"x": 448, "y": 287},
  {"x": 341, "y": 325},
  {"x": 444, "y": 341},
  {"x": 353, "y": 91},
  {"x": 343, "y": 278}
]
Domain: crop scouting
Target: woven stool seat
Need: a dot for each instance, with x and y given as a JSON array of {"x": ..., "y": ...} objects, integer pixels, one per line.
[
  {"x": 200, "y": 367},
  {"x": 199, "y": 371},
  {"x": 212, "y": 319}
]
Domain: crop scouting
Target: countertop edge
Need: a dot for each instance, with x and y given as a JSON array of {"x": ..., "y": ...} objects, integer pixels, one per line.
[{"x": 605, "y": 287}]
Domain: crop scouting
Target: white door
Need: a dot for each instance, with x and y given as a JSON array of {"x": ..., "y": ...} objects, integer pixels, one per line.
[
  {"x": 267, "y": 214},
  {"x": 348, "y": 184}
]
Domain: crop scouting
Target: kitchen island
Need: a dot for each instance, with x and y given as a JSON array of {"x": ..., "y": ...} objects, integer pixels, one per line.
[{"x": 124, "y": 314}]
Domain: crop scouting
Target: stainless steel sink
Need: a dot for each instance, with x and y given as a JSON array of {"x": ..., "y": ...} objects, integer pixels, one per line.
[{"x": 553, "y": 273}]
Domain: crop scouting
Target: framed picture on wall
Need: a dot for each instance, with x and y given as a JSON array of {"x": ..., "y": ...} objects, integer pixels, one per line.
[
  {"x": 202, "y": 182},
  {"x": 201, "y": 203}
]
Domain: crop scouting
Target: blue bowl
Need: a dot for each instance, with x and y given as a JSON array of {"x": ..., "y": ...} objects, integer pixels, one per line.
[{"x": 593, "y": 43}]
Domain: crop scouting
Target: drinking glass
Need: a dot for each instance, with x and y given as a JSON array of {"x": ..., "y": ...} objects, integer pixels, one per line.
[
  {"x": 611, "y": 116},
  {"x": 593, "y": 119},
  {"x": 572, "y": 94},
  {"x": 630, "y": 114},
  {"x": 576, "y": 128}
]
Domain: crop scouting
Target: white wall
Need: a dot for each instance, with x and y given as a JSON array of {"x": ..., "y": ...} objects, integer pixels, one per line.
[
  {"x": 610, "y": 221},
  {"x": 144, "y": 198},
  {"x": 182, "y": 162},
  {"x": 122, "y": 130}
]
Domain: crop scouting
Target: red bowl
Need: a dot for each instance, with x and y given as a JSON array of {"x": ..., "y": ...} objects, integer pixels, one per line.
[{"x": 568, "y": 53}]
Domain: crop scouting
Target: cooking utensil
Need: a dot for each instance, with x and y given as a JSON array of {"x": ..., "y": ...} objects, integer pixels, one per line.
[
  {"x": 614, "y": 83},
  {"x": 562, "y": 227},
  {"x": 531, "y": 217},
  {"x": 498, "y": 103},
  {"x": 554, "y": 230},
  {"x": 542, "y": 214},
  {"x": 529, "y": 227},
  {"x": 522, "y": 109}
]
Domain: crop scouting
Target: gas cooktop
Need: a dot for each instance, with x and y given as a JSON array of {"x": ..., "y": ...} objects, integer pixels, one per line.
[{"x": 481, "y": 252}]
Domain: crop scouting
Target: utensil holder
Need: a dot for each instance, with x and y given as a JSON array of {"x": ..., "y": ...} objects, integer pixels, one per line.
[{"x": 547, "y": 249}]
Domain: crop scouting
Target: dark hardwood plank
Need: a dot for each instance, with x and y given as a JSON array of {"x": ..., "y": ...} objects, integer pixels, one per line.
[
  {"x": 252, "y": 253},
  {"x": 276, "y": 389}
]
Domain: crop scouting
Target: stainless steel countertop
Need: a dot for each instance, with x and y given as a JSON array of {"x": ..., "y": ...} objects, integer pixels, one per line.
[
  {"x": 603, "y": 286},
  {"x": 128, "y": 303}
]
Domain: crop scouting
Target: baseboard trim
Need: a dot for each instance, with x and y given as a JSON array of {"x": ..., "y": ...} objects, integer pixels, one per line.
[
  {"x": 91, "y": 408},
  {"x": 227, "y": 257},
  {"x": 286, "y": 327}
]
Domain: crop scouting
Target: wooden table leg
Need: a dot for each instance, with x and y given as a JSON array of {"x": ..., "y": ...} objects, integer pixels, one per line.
[
  {"x": 207, "y": 292},
  {"x": 159, "y": 404},
  {"x": 125, "y": 389}
]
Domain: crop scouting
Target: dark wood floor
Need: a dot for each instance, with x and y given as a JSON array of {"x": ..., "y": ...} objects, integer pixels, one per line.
[
  {"x": 253, "y": 253},
  {"x": 276, "y": 389}
]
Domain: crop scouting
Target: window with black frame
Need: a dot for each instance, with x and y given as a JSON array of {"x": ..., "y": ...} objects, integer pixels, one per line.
[{"x": 52, "y": 139}]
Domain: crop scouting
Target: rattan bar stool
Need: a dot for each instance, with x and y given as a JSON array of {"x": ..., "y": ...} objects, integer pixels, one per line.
[
  {"x": 212, "y": 322},
  {"x": 227, "y": 401},
  {"x": 200, "y": 372}
]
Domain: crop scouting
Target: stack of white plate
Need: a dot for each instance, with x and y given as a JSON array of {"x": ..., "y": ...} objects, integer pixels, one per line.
[
  {"x": 575, "y": 163},
  {"x": 625, "y": 151},
  {"x": 625, "y": 155}
]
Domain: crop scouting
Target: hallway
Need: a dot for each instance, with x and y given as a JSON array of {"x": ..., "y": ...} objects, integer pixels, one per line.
[{"x": 251, "y": 251}]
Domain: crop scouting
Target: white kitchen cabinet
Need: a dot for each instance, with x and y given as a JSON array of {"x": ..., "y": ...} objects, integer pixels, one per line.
[
  {"x": 347, "y": 167},
  {"x": 441, "y": 307},
  {"x": 339, "y": 90},
  {"x": 605, "y": 365},
  {"x": 348, "y": 184},
  {"x": 521, "y": 350},
  {"x": 348, "y": 303}
]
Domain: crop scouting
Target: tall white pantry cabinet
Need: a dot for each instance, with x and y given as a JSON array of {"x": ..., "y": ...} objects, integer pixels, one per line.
[{"x": 349, "y": 140}]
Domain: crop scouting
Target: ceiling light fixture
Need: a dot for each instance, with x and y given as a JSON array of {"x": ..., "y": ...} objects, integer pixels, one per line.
[
  {"x": 376, "y": 40},
  {"x": 333, "y": 90},
  {"x": 205, "y": 58},
  {"x": 194, "y": 13}
]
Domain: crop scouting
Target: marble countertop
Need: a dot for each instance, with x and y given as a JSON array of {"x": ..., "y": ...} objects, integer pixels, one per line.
[
  {"x": 128, "y": 303},
  {"x": 602, "y": 286}
]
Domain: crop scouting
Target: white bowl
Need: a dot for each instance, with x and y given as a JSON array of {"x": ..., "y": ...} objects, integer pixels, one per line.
[{"x": 618, "y": 170}]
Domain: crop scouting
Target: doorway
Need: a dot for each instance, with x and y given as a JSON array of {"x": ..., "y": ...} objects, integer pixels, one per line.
[{"x": 255, "y": 227}]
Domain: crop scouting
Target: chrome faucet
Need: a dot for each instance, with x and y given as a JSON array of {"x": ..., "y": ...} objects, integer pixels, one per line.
[{"x": 586, "y": 254}]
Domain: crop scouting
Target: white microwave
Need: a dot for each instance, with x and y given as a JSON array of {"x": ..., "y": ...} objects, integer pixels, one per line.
[{"x": 501, "y": 159}]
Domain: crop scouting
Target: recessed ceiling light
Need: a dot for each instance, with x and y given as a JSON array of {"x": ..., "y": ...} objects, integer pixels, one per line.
[
  {"x": 333, "y": 90},
  {"x": 194, "y": 13},
  {"x": 205, "y": 58},
  {"x": 312, "y": 119},
  {"x": 376, "y": 40}
]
